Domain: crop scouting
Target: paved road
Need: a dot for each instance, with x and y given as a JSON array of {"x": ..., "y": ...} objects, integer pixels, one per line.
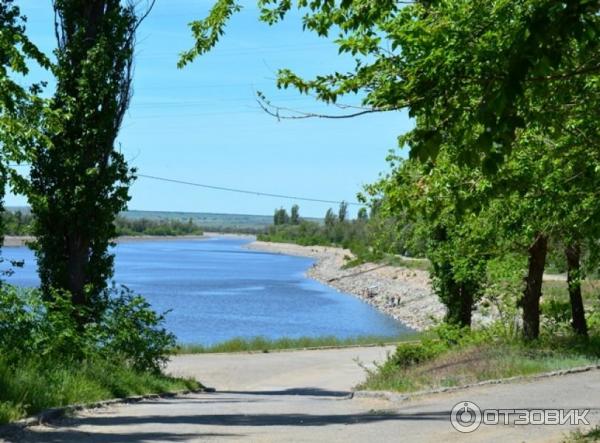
[{"x": 302, "y": 397}]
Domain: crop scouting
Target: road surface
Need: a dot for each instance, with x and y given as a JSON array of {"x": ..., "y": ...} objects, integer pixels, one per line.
[{"x": 303, "y": 397}]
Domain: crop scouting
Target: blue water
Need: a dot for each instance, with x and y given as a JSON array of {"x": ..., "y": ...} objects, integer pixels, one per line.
[{"x": 217, "y": 290}]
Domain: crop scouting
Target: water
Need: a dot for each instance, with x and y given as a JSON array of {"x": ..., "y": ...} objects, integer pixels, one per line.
[{"x": 218, "y": 290}]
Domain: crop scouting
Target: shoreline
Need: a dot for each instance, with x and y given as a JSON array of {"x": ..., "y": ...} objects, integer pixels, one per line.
[
  {"x": 404, "y": 294},
  {"x": 14, "y": 241}
]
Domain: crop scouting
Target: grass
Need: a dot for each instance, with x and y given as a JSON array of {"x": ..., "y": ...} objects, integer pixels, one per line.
[
  {"x": 557, "y": 290},
  {"x": 262, "y": 344},
  {"x": 430, "y": 365},
  {"x": 421, "y": 264},
  {"x": 584, "y": 437},
  {"x": 29, "y": 387},
  {"x": 405, "y": 262}
]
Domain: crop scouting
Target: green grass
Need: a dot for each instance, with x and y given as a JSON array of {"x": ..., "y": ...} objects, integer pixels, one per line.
[
  {"x": 261, "y": 344},
  {"x": 430, "y": 365},
  {"x": 405, "y": 262},
  {"x": 557, "y": 290},
  {"x": 584, "y": 437},
  {"x": 29, "y": 387},
  {"x": 421, "y": 264}
]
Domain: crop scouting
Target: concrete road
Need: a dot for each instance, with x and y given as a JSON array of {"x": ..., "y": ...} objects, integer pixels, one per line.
[
  {"x": 332, "y": 369},
  {"x": 302, "y": 397}
]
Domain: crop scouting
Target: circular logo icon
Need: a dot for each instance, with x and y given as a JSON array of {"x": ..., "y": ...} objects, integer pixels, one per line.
[{"x": 465, "y": 416}]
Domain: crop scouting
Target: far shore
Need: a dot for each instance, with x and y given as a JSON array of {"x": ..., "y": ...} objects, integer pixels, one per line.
[{"x": 22, "y": 240}]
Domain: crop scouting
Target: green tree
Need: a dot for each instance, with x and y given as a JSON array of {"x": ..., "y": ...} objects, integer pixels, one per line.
[
  {"x": 79, "y": 183},
  {"x": 281, "y": 217},
  {"x": 476, "y": 76},
  {"x": 21, "y": 108},
  {"x": 444, "y": 205},
  {"x": 330, "y": 218},
  {"x": 363, "y": 215},
  {"x": 343, "y": 212},
  {"x": 295, "y": 215}
]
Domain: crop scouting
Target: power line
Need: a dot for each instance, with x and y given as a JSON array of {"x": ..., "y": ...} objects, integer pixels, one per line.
[
  {"x": 244, "y": 191},
  {"x": 239, "y": 191}
]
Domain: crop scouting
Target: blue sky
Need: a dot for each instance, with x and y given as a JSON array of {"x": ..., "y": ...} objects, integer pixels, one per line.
[{"x": 202, "y": 124}]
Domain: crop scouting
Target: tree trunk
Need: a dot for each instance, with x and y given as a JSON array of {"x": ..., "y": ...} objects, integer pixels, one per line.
[
  {"x": 466, "y": 307},
  {"x": 573, "y": 254},
  {"x": 533, "y": 288}
]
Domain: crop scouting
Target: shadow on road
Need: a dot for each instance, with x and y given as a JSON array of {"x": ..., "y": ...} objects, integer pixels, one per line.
[
  {"x": 176, "y": 427},
  {"x": 259, "y": 419},
  {"x": 309, "y": 392}
]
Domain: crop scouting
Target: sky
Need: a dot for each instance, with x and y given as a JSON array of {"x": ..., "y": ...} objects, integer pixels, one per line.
[{"x": 202, "y": 124}]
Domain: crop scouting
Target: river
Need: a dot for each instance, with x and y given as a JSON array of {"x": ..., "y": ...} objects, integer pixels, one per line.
[{"x": 216, "y": 289}]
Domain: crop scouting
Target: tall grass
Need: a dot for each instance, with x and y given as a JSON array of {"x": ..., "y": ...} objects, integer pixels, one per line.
[
  {"x": 262, "y": 344},
  {"x": 30, "y": 386},
  {"x": 478, "y": 356}
]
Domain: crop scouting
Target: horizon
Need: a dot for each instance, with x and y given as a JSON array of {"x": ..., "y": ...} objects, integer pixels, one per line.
[{"x": 14, "y": 208}]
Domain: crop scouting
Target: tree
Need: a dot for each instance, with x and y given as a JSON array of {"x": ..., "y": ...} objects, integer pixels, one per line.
[
  {"x": 437, "y": 59},
  {"x": 444, "y": 205},
  {"x": 343, "y": 212},
  {"x": 21, "y": 108},
  {"x": 295, "y": 215},
  {"x": 330, "y": 218},
  {"x": 281, "y": 217},
  {"x": 80, "y": 183},
  {"x": 363, "y": 215},
  {"x": 477, "y": 76}
]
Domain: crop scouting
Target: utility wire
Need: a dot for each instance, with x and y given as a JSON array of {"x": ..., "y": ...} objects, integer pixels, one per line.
[
  {"x": 244, "y": 191},
  {"x": 239, "y": 191}
]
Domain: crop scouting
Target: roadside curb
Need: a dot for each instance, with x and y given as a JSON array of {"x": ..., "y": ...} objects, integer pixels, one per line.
[
  {"x": 397, "y": 397},
  {"x": 53, "y": 414}
]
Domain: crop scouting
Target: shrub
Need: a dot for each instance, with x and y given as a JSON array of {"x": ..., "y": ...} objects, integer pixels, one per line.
[
  {"x": 133, "y": 331},
  {"x": 128, "y": 331}
]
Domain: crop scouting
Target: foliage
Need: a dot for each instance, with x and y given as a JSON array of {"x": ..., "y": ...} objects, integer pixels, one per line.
[
  {"x": 128, "y": 332},
  {"x": 370, "y": 239},
  {"x": 20, "y": 104},
  {"x": 459, "y": 357},
  {"x": 503, "y": 96},
  {"x": 19, "y": 223},
  {"x": 48, "y": 360},
  {"x": 33, "y": 384},
  {"x": 78, "y": 181},
  {"x": 295, "y": 215},
  {"x": 132, "y": 331},
  {"x": 144, "y": 226},
  {"x": 590, "y": 436},
  {"x": 281, "y": 217}
]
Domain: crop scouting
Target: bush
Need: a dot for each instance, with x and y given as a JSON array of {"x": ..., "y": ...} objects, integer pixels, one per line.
[
  {"x": 47, "y": 359},
  {"x": 34, "y": 383},
  {"x": 444, "y": 337},
  {"x": 133, "y": 331},
  {"x": 129, "y": 331}
]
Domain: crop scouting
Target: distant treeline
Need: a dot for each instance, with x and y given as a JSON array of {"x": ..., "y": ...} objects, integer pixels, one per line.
[
  {"x": 360, "y": 235},
  {"x": 19, "y": 223},
  {"x": 145, "y": 226}
]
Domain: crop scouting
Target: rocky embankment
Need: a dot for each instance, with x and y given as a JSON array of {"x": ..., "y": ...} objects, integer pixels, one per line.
[{"x": 403, "y": 293}]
